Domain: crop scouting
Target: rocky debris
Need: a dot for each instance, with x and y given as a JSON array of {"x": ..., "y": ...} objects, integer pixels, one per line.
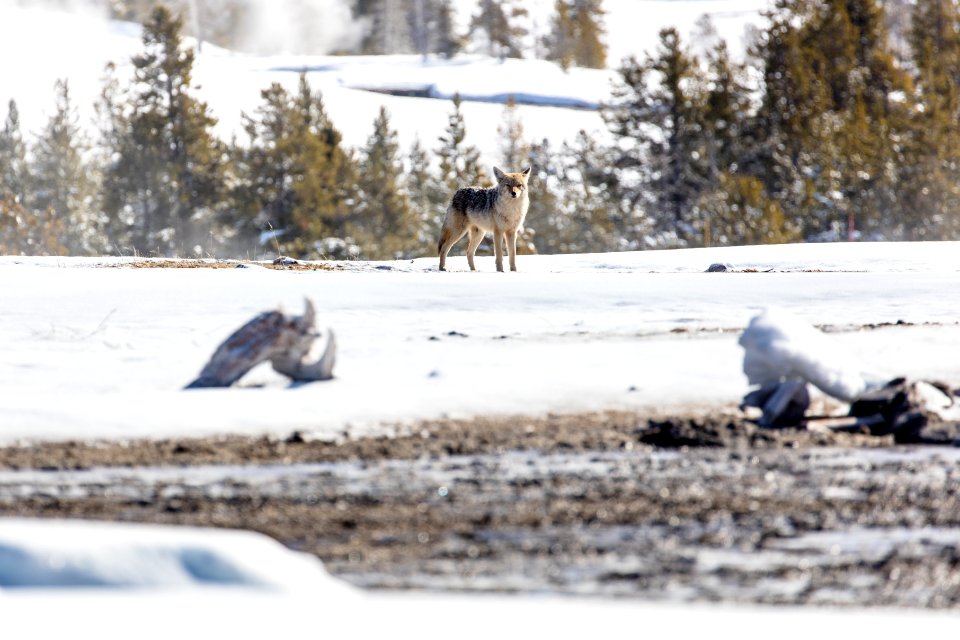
[
  {"x": 288, "y": 342},
  {"x": 914, "y": 412},
  {"x": 726, "y": 267},
  {"x": 284, "y": 261},
  {"x": 720, "y": 267}
]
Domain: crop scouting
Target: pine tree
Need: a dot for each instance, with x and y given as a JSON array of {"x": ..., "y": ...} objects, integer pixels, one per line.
[
  {"x": 112, "y": 124},
  {"x": 62, "y": 184},
  {"x": 738, "y": 211},
  {"x": 576, "y": 34},
  {"x": 589, "y": 50},
  {"x": 168, "y": 174},
  {"x": 546, "y": 221},
  {"x": 593, "y": 220},
  {"x": 515, "y": 156},
  {"x": 876, "y": 120},
  {"x": 445, "y": 41},
  {"x": 420, "y": 26},
  {"x": 833, "y": 119},
  {"x": 22, "y": 230},
  {"x": 459, "y": 163},
  {"x": 514, "y": 150},
  {"x": 383, "y": 223},
  {"x": 728, "y": 195},
  {"x": 574, "y": 206},
  {"x": 426, "y": 199},
  {"x": 931, "y": 172},
  {"x": 389, "y": 31},
  {"x": 430, "y": 24},
  {"x": 295, "y": 178},
  {"x": 25, "y": 232},
  {"x": 222, "y": 22},
  {"x": 325, "y": 192},
  {"x": 786, "y": 128},
  {"x": 13, "y": 156},
  {"x": 498, "y": 20},
  {"x": 263, "y": 195},
  {"x": 726, "y": 115},
  {"x": 561, "y": 41},
  {"x": 662, "y": 166}
]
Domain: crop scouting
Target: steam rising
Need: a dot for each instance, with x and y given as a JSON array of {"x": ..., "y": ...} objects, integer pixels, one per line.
[
  {"x": 259, "y": 26},
  {"x": 86, "y": 7},
  {"x": 294, "y": 26}
]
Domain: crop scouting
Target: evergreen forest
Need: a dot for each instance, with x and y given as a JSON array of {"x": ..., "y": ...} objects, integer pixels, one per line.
[{"x": 842, "y": 123}]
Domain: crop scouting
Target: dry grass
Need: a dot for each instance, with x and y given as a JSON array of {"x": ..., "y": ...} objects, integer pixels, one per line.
[{"x": 166, "y": 263}]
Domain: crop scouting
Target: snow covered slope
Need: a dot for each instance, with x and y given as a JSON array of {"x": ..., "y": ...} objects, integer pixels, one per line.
[{"x": 42, "y": 45}]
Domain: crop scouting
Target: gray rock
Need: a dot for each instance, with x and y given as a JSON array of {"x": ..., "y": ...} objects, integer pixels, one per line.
[{"x": 720, "y": 267}]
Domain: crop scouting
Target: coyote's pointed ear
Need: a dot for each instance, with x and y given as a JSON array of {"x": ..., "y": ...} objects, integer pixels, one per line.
[
  {"x": 499, "y": 174},
  {"x": 526, "y": 172}
]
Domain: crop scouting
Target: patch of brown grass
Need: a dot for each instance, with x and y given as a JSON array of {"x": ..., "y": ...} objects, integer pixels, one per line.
[{"x": 169, "y": 263}]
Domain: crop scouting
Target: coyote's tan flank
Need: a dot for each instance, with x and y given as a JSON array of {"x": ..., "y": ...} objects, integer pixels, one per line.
[{"x": 474, "y": 211}]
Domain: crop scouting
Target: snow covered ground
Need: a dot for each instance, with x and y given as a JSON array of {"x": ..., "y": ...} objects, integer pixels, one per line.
[
  {"x": 50, "y": 44},
  {"x": 93, "y": 350},
  {"x": 104, "y": 353}
]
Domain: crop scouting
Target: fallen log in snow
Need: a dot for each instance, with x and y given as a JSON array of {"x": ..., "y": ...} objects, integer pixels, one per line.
[
  {"x": 780, "y": 346},
  {"x": 785, "y": 355},
  {"x": 288, "y": 342}
]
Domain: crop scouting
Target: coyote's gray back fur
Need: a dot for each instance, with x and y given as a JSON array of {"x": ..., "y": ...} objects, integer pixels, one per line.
[{"x": 475, "y": 210}]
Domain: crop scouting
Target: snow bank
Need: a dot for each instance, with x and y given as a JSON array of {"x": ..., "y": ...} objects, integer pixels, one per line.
[{"x": 44, "y": 554}]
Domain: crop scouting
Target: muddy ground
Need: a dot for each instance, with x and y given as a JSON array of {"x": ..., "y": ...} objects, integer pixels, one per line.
[{"x": 705, "y": 509}]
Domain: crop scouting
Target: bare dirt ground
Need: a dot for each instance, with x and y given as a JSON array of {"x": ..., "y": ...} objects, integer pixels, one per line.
[{"x": 707, "y": 509}]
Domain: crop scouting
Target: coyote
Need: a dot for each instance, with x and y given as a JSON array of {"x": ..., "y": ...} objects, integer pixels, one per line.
[{"x": 500, "y": 209}]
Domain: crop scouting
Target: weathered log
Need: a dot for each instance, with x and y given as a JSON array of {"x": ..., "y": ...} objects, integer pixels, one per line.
[
  {"x": 784, "y": 403},
  {"x": 286, "y": 341}
]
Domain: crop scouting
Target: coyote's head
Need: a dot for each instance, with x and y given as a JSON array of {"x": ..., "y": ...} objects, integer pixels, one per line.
[{"x": 512, "y": 184}]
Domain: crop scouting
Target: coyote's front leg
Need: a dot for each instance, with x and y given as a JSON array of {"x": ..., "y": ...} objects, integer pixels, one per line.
[
  {"x": 498, "y": 243},
  {"x": 511, "y": 238}
]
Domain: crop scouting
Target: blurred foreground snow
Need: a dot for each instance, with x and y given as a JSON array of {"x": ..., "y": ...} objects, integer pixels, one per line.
[{"x": 116, "y": 583}]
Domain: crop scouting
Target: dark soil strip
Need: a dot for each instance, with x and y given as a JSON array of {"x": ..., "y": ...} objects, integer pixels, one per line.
[{"x": 602, "y": 431}]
